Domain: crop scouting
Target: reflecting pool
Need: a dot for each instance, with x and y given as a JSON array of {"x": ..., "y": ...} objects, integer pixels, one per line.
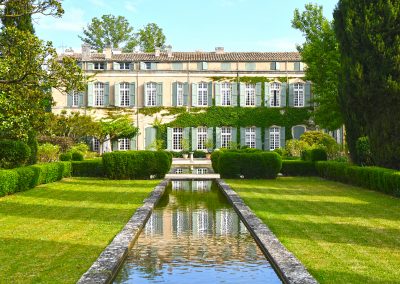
[{"x": 195, "y": 236}]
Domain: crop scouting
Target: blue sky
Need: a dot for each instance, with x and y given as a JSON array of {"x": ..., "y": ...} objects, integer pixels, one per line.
[{"x": 189, "y": 25}]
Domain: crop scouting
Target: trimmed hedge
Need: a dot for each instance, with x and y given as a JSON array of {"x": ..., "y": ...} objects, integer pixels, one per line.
[
  {"x": 314, "y": 155},
  {"x": 375, "y": 178},
  {"x": 215, "y": 160},
  {"x": 13, "y": 154},
  {"x": 24, "y": 178},
  {"x": 234, "y": 164},
  {"x": 298, "y": 168},
  {"x": 88, "y": 168},
  {"x": 77, "y": 156},
  {"x": 136, "y": 164},
  {"x": 65, "y": 157}
]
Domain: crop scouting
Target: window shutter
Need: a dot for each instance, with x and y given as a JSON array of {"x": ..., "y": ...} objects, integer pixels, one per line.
[
  {"x": 291, "y": 95},
  {"x": 131, "y": 66},
  {"x": 159, "y": 92},
  {"x": 185, "y": 94},
  {"x": 69, "y": 99},
  {"x": 132, "y": 91},
  {"x": 234, "y": 94},
  {"x": 145, "y": 94},
  {"x": 297, "y": 66},
  {"x": 153, "y": 66},
  {"x": 169, "y": 139},
  {"x": 142, "y": 66},
  {"x": 116, "y": 66},
  {"x": 194, "y": 138},
  {"x": 174, "y": 94},
  {"x": 258, "y": 94},
  {"x": 301, "y": 66},
  {"x": 307, "y": 97},
  {"x": 283, "y": 94},
  {"x": 150, "y": 136},
  {"x": 210, "y": 132},
  {"x": 273, "y": 66},
  {"x": 242, "y": 94},
  {"x": 106, "y": 93},
  {"x": 218, "y": 94},
  {"x": 199, "y": 66},
  {"x": 114, "y": 145},
  {"x": 186, "y": 133},
  {"x": 267, "y": 94},
  {"x": 225, "y": 66},
  {"x": 242, "y": 136},
  {"x": 234, "y": 134},
  {"x": 81, "y": 101},
  {"x": 282, "y": 137},
  {"x": 210, "y": 92},
  {"x": 194, "y": 94},
  {"x": 218, "y": 138},
  {"x": 277, "y": 66},
  {"x": 117, "y": 95},
  {"x": 258, "y": 138},
  {"x": 266, "y": 143},
  {"x": 205, "y": 66},
  {"x": 133, "y": 143},
  {"x": 90, "y": 93},
  {"x": 90, "y": 66}
]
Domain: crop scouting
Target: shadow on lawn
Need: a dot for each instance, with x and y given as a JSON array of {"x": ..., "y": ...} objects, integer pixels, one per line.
[{"x": 106, "y": 183}]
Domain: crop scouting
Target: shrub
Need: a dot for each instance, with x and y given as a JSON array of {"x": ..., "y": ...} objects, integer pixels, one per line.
[
  {"x": 364, "y": 152},
  {"x": 77, "y": 156},
  {"x": 295, "y": 147},
  {"x": 65, "y": 156},
  {"x": 280, "y": 151},
  {"x": 13, "y": 154},
  {"x": 318, "y": 139},
  {"x": 64, "y": 143},
  {"x": 88, "y": 168},
  {"x": 199, "y": 154},
  {"x": 313, "y": 155},
  {"x": 298, "y": 168},
  {"x": 215, "y": 160},
  {"x": 52, "y": 172},
  {"x": 8, "y": 182},
  {"x": 136, "y": 164},
  {"x": 33, "y": 145},
  {"x": 228, "y": 164},
  {"x": 80, "y": 147},
  {"x": 48, "y": 153},
  {"x": 28, "y": 178}
]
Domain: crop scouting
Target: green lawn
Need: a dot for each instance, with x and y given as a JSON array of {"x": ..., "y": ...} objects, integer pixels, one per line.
[
  {"x": 53, "y": 233},
  {"x": 341, "y": 233}
]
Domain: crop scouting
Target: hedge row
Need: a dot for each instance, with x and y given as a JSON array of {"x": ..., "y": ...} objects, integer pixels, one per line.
[
  {"x": 375, "y": 178},
  {"x": 136, "y": 164},
  {"x": 13, "y": 153},
  {"x": 298, "y": 168},
  {"x": 88, "y": 168},
  {"x": 24, "y": 178},
  {"x": 232, "y": 164}
]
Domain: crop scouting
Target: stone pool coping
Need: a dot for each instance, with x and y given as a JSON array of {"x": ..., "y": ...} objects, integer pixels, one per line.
[
  {"x": 104, "y": 269},
  {"x": 289, "y": 268}
]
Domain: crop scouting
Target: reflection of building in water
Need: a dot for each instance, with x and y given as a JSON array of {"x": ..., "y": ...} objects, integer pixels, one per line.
[
  {"x": 154, "y": 225},
  {"x": 201, "y": 185},
  {"x": 201, "y": 171}
]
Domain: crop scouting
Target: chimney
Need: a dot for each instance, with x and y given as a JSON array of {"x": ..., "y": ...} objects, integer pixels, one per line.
[
  {"x": 219, "y": 50},
  {"x": 157, "y": 51},
  {"x": 117, "y": 51},
  {"x": 86, "y": 53},
  {"x": 107, "y": 52},
  {"x": 169, "y": 51}
]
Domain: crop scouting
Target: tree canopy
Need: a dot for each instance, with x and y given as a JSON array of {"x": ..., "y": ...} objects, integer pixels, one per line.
[{"x": 150, "y": 37}]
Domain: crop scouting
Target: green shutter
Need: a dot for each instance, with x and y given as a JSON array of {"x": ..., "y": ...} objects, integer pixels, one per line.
[
  {"x": 210, "y": 132},
  {"x": 194, "y": 138},
  {"x": 218, "y": 138},
  {"x": 226, "y": 66},
  {"x": 283, "y": 94},
  {"x": 199, "y": 66},
  {"x": 186, "y": 133},
  {"x": 90, "y": 66},
  {"x": 133, "y": 143},
  {"x": 150, "y": 136},
  {"x": 153, "y": 66},
  {"x": 258, "y": 94},
  {"x": 145, "y": 94},
  {"x": 159, "y": 91},
  {"x": 142, "y": 66},
  {"x": 266, "y": 143},
  {"x": 194, "y": 94},
  {"x": 131, "y": 66},
  {"x": 106, "y": 93},
  {"x": 81, "y": 99},
  {"x": 169, "y": 139},
  {"x": 242, "y": 94},
  {"x": 291, "y": 95},
  {"x": 258, "y": 138},
  {"x": 117, "y": 95},
  {"x": 282, "y": 137},
  {"x": 69, "y": 99},
  {"x": 218, "y": 94},
  {"x": 185, "y": 94},
  {"x": 234, "y": 134},
  {"x": 242, "y": 136},
  {"x": 204, "y": 65},
  {"x": 132, "y": 92},
  {"x": 250, "y": 66},
  {"x": 114, "y": 145},
  {"x": 210, "y": 92},
  {"x": 297, "y": 66},
  {"x": 116, "y": 66},
  {"x": 307, "y": 98},
  {"x": 234, "y": 87},
  {"x": 90, "y": 93},
  {"x": 267, "y": 94},
  {"x": 174, "y": 94}
]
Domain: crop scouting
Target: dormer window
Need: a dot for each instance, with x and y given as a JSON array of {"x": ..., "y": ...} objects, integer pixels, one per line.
[{"x": 99, "y": 66}]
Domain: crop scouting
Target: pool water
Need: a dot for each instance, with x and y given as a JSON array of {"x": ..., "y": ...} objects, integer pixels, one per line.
[{"x": 195, "y": 236}]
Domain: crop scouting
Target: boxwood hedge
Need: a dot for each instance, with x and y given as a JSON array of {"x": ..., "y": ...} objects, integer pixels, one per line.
[
  {"x": 298, "y": 168},
  {"x": 88, "y": 168}
]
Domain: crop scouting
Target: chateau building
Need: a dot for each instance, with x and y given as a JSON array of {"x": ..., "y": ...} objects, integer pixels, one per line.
[{"x": 148, "y": 86}]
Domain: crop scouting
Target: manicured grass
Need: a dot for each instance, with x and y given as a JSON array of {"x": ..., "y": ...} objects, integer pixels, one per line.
[
  {"x": 53, "y": 233},
  {"x": 341, "y": 233}
]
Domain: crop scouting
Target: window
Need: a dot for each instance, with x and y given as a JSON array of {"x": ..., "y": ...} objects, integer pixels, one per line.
[
  {"x": 147, "y": 65},
  {"x": 177, "y": 66},
  {"x": 99, "y": 94},
  {"x": 124, "y": 144},
  {"x": 177, "y": 136},
  {"x": 124, "y": 94},
  {"x": 124, "y": 66},
  {"x": 201, "y": 138},
  {"x": 226, "y": 137},
  {"x": 201, "y": 171},
  {"x": 202, "y": 94},
  {"x": 275, "y": 94},
  {"x": 95, "y": 145},
  {"x": 275, "y": 66},
  {"x": 202, "y": 216},
  {"x": 179, "y": 94},
  {"x": 75, "y": 99},
  {"x": 250, "y": 95},
  {"x": 226, "y": 94},
  {"x": 250, "y": 137},
  {"x": 151, "y": 94},
  {"x": 225, "y": 66},
  {"x": 99, "y": 66},
  {"x": 298, "y": 95},
  {"x": 250, "y": 66},
  {"x": 179, "y": 171},
  {"x": 274, "y": 138}
]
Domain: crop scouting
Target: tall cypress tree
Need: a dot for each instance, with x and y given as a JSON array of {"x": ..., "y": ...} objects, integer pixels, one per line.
[
  {"x": 17, "y": 13},
  {"x": 369, "y": 88}
]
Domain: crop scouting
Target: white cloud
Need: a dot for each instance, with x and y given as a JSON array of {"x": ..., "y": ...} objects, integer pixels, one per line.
[{"x": 72, "y": 21}]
